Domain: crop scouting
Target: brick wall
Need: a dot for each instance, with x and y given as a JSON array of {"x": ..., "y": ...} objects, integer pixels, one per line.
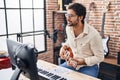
[{"x": 112, "y": 23}]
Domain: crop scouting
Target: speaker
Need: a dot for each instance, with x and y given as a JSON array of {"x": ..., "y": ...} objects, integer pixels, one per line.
[{"x": 118, "y": 58}]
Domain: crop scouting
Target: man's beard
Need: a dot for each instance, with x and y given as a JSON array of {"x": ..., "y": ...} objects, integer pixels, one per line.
[{"x": 73, "y": 24}]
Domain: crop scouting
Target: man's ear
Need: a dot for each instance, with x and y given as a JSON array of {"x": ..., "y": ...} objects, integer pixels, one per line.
[{"x": 80, "y": 18}]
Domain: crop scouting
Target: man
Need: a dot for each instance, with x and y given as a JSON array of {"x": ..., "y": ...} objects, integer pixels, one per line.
[{"x": 84, "y": 41}]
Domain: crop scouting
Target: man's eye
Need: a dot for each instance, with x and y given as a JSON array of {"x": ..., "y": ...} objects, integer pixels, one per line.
[{"x": 71, "y": 15}]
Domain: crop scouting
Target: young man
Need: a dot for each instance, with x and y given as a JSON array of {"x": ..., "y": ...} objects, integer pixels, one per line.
[{"x": 84, "y": 41}]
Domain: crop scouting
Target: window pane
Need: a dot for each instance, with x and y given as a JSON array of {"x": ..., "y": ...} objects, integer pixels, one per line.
[
  {"x": 26, "y": 3},
  {"x": 13, "y": 37},
  {"x": 1, "y": 3},
  {"x": 13, "y": 21},
  {"x": 15, "y": 24},
  {"x": 28, "y": 40},
  {"x": 27, "y": 21},
  {"x": 40, "y": 42},
  {"x": 12, "y": 3},
  {"x": 39, "y": 19},
  {"x": 3, "y": 45},
  {"x": 38, "y": 3},
  {"x": 2, "y": 22}
]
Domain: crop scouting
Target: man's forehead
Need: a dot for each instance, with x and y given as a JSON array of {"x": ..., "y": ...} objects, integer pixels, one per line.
[{"x": 70, "y": 11}]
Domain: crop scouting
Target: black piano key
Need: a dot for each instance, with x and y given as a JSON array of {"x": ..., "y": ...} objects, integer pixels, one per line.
[
  {"x": 44, "y": 72},
  {"x": 55, "y": 77},
  {"x": 40, "y": 69},
  {"x": 63, "y": 79},
  {"x": 49, "y": 74}
]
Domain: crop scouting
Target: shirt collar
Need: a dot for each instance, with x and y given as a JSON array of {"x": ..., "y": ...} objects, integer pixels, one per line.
[{"x": 86, "y": 28}]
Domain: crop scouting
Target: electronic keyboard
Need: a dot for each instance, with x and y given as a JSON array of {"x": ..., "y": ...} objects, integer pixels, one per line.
[
  {"x": 45, "y": 75},
  {"x": 57, "y": 73}
]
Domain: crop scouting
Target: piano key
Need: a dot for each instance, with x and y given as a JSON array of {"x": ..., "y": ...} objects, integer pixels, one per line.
[
  {"x": 63, "y": 79},
  {"x": 55, "y": 77},
  {"x": 49, "y": 74}
]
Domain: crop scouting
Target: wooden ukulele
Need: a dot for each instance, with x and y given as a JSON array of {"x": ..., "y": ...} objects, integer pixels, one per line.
[
  {"x": 91, "y": 7},
  {"x": 69, "y": 53},
  {"x": 106, "y": 39}
]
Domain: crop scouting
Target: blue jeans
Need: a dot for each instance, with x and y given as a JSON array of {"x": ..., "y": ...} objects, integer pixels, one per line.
[{"x": 89, "y": 70}]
